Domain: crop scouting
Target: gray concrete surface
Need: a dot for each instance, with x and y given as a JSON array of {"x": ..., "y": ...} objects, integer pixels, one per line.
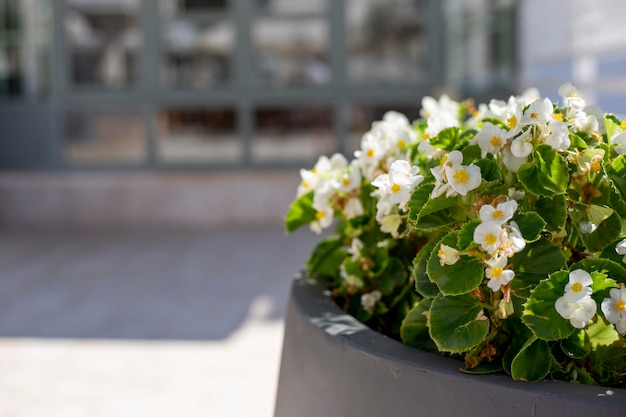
[{"x": 145, "y": 323}]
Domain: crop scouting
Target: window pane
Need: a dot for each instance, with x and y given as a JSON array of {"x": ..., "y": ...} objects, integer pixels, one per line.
[
  {"x": 106, "y": 137},
  {"x": 293, "y": 7},
  {"x": 292, "y": 134},
  {"x": 291, "y": 52},
  {"x": 207, "y": 135},
  {"x": 197, "y": 55},
  {"x": 387, "y": 42},
  {"x": 363, "y": 115},
  {"x": 104, "y": 40},
  {"x": 172, "y": 8},
  {"x": 25, "y": 33}
]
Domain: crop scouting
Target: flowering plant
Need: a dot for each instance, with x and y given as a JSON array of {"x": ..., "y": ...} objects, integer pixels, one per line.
[{"x": 494, "y": 234}]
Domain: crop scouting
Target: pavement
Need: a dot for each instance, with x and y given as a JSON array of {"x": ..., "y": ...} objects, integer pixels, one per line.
[{"x": 144, "y": 323}]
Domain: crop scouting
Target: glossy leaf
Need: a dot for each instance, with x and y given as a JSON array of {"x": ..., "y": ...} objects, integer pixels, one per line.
[
  {"x": 414, "y": 329},
  {"x": 300, "y": 212},
  {"x": 423, "y": 284},
  {"x": 553, "y": 211},
  {"x": 530, "y": 224},
  {"x": 455, "y": 323},
  {"x": 533, "y": 362}
]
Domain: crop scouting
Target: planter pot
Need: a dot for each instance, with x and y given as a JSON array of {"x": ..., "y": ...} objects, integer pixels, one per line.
[{"x": 333, "y": 365}]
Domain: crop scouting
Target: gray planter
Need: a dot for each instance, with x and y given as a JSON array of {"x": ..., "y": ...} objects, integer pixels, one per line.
[{"x": 332, "y": 365}]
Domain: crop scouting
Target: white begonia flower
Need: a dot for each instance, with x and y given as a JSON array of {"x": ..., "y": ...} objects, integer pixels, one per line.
[
  {"x": 557, "y": 136},
  {"x": 369, "y": 300},
  {"x": 498, "y": 276},
  {"x": 515, "y": 194},
  {"x": 590, "y": 160},
  {"x": 588, "y": 124},
  {"x": 462, "y": 178},
  {"x": 488, "y": 235},
  {"x": 490, "y": 139},
  {"x": 312, "y": 178},
  {"x": 538, "y": 113},
  {"x": 448, "y": 255},
  {"x": 620, "y": 248},
  {"x": 390, "y": 224},
  {"x": 397, "y": 185},
  {"x": 614, "y": 308},
  {"x": 353, "y": 208},
  {"x": 578, "y": 312},
  {"x": 578, "y": 286},
  {"x": 619, "y": 140},
  {"x": 512, "y": 240},
  {"x": 512, "y": 162},
  {"x": 323, "y": 219},
  {"x": 522, "y": 146},
  {"x": 348, "y": 179},
  {"x": 439, "y": 122},
  {"x": 445, "y": 105},
  {"x": 572, "y": 102},
  {"x": 371, "y": 153},
  {"x": 355, "y": 249},
  {"x": 500, "y": 214}
]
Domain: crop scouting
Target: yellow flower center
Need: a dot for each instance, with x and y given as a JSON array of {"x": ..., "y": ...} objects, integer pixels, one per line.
[
  {"x": 314, "y": 171},
  {"x": 623, "y": 124},
  {"x": 490, "y": 239},
  {"x": 304, "y": 184},
  {"x": 345, "y": 181},
  {"x": 534, "y": 115},
  {"x": 395, "y": 188},
  {"x": 620, "y": 305},
  {"x": 460, "y": 175},
  {"x": 496, "y": 272},
  {"x": 558, "y": 116},
  {"x": 440, "y": 253},
  {"x": 595, "y": 166},
  {"x": 370, "y": 153},
  {"x": 577, "y": 287},
  {"x": 401, "y": 143},
  {"x": 320, "y": 215},
  {"x": 443, "y": 161},
  {"x": 511, "y": 122},
  {"x": 495, "y": 141},
  {"x": 426, "y": 136},
  {"x": 497, "y": 214}
]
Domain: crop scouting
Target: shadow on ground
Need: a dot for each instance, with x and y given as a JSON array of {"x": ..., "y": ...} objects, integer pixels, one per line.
[{"x": 185, "y": 286}]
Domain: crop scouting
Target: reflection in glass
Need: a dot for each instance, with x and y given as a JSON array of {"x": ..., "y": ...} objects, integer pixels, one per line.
[
  {"x": 292, "y": 134},
  {"x": 363, "y": 115},
  {"x": 25, "y": 33},
  {"x": 104, "y": 137},
  {"x": 206, "y": 135},
  {"x": 104, "y": 39},
  {"x": 293, "y": 7},
  {"x": 172, "y": 8},
  {"x": 387, "y": 42},
  {"x": 197, "y": 55},
  {"x": 291, "y": 52}
]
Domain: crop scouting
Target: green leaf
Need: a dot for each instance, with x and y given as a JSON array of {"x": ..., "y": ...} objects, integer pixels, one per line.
[
  {"x": 326, "y": 257},
  {"x": 414, "y": 329},
  {"x": 466, "y": 235},
  {"x": 576, "y": 346},
  {"x": 604, "y": 233},
  {"x": 483, "y": 369},
  {"x": 423, "y": 284},
  {"x": 610, "y": 253},
  {"x": 446, "y": 139},
  {"x": 533, "y": 362},
  {"x": 617, "y": 174},
  {"x": 419, "y": 198},
  {"x": 533, "y": 264},
  {"x": 611, "y": 270},
  {"x": 602, "y": 333},
  {"x": 300, "y": 212},
  {"x": 489, "y": 170},
  {"x": 553, "y": 211},
  {"x": 455, "y": 323},
  {"x": 530, "y": 224},
  {"x": 439, "y": 212},
  {"x": 462, "y": 277},
  {"x": 395, "y": 274},
  {"x": 577, "y": 142},
  {"x": 612, "y": 125},
  {"x": 547, "y": 175},
  {"x": 608, "y": 363},
  {"x": 540, "y": 315}
]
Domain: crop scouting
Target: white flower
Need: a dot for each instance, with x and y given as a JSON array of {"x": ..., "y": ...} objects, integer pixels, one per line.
[
  {"x": 353, "y": 208},
  {"x": 500, "y": 214},
  {"x": 369, "y": 300},
  {"x": 448, "y": 255},
  {"x": 348, "y": 179},
  {"x": 396, "y": 186},
  {"x": 539, "y": 112},
  {"x": 557, "y": 136},
  {"x": 620, "y": 248},
  {"x": 512, "y": 240},
  {"x": 490, "y": 139},
  {"x": 460, "y": 178},
  {"x": 323, "y": 219},
  {"x": 522, "y": 145},
  {"x": 355, "y": 249},
  {"x": 390, "y": 224},
  {"x": 619, "y": 140},
  {"x": 488, "y": 235},
  {"x": 350, "y": 279},
  {"x": 614, "y": 308},
  {"x": 578, "y": 312},
  {"x": 512, "y": 162},
  {"x": 578, "y": 285},
  {"x": 371, "y": 153},
  {"x": 498, "y": 276},
  {"x": 432, "y": 107},
  {"x": 437, "y": 123}
]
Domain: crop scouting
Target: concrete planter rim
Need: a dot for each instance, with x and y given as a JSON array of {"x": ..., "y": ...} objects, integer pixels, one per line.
[{"x": 331, "y": 363}]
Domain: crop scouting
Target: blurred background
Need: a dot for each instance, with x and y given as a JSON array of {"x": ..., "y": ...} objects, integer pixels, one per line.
[{"x": 149, "y": 150}]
